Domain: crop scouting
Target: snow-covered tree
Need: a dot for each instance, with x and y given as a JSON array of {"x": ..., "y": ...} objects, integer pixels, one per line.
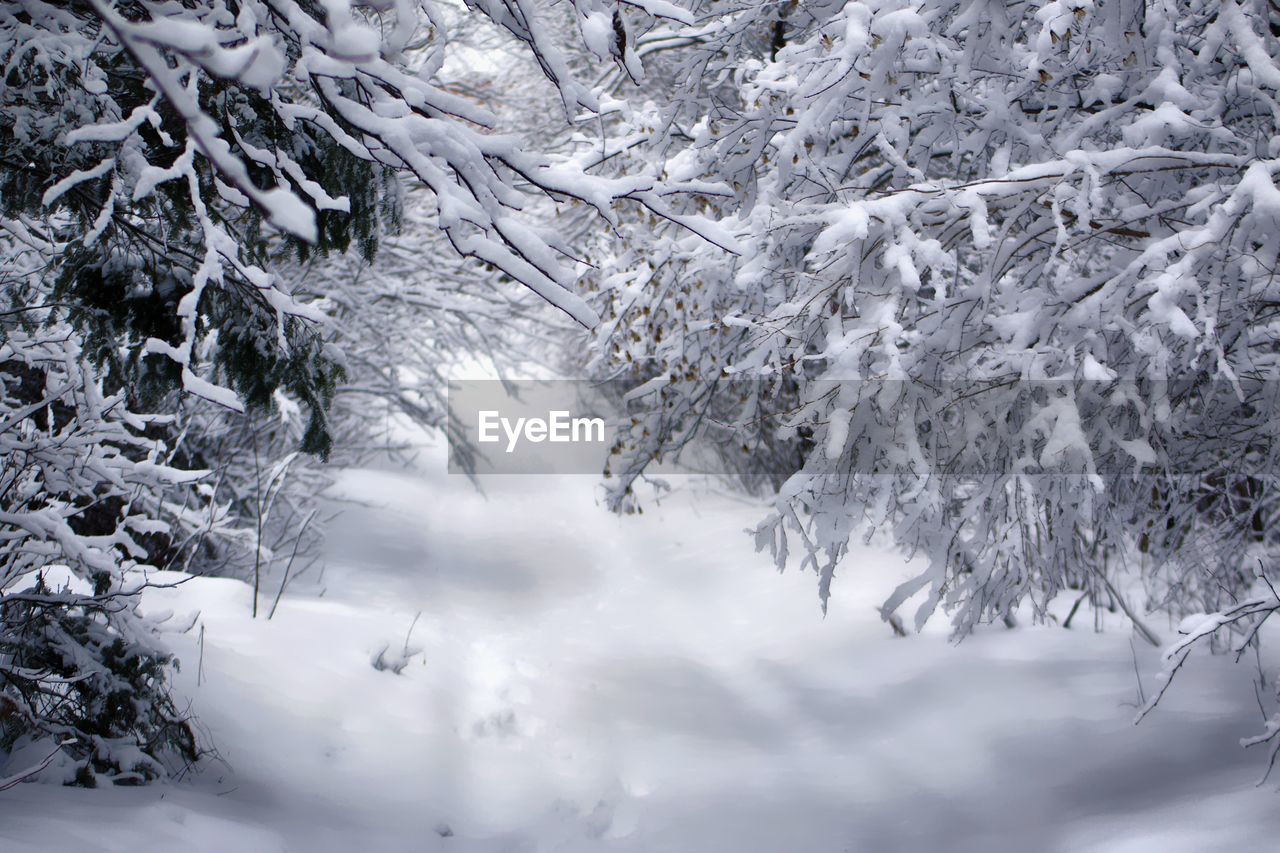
[
  {"x": 186, "y": 141},
  {"x": 175, "y": 170},
  {"x": 1002, "y": 282},
  {"x": 88, "y": 503},
  {"x": 995, "y": 278}
]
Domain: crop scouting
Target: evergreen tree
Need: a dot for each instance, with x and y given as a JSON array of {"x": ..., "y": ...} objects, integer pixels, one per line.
[{"x": 172, "y": 178}]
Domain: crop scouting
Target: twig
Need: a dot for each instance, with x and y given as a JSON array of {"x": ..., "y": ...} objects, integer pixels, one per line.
[
  {"x": 200, "y": 663},
  {"x": 1142, "y": 699},
  {"x": 409, "y": 633},
  {"x": 285, "y": 580}
]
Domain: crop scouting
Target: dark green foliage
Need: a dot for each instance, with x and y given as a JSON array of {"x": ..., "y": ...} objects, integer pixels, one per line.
[
  {"x": 255, "y": 371},
  {"x": 78, "y": 666},
  {"x": 72, "y": 675},
  {"x": 126, "y": 286}
]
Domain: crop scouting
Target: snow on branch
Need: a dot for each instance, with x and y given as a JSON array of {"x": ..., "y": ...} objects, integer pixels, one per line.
[{"x": 1002, "y": 282}]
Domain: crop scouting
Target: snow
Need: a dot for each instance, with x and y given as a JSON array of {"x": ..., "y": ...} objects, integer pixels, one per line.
[
  {"x": 574, "y": 680},
  {"x": 1250, "y": 45},
  {"x": 597, "y": 32},
  {"x": 77, "y": 177},
  {"x": 202, "y": 387}
]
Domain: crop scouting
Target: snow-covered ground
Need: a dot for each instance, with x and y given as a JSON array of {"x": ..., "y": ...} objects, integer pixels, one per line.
[{"x": 578, "y": 681}]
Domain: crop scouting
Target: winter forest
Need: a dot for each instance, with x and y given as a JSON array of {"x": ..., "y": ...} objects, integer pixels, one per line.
[{"x": 940, "y": 500}]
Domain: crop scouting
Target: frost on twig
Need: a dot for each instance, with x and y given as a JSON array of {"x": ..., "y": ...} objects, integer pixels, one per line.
[{"x": 1241, "y": 623}]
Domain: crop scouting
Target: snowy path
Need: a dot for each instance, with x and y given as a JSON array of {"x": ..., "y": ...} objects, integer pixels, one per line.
[{"x": 650, "y": 684}]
